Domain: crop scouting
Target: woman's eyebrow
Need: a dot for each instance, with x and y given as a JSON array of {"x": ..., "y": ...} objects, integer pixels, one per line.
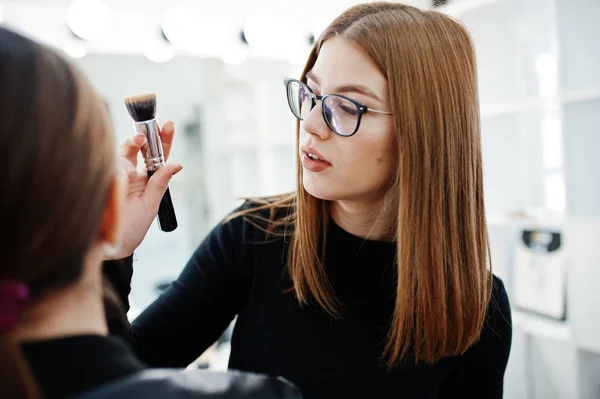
[{"x": 349, "y": 88}]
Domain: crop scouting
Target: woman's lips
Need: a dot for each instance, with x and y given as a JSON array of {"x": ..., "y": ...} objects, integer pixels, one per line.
[{"x": 313, "y": 163}]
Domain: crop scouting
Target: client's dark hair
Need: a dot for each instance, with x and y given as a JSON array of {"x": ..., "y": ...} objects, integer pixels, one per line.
[{"x": 58, "y": 163}]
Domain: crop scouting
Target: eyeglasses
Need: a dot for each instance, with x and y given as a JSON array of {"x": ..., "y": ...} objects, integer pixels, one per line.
[{"x": 342, "y": 114}]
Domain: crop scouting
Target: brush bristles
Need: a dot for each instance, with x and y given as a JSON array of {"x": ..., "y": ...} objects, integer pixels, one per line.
[{"x": 141, "y": 107}]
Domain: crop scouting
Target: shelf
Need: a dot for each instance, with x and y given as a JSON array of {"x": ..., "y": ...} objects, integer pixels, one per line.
[
  {"x": 542, "y": 327},
  {"x": 517, "y": 106},
  {"x": 590, "y": 94},
  {"x": 525, "y": 220}
]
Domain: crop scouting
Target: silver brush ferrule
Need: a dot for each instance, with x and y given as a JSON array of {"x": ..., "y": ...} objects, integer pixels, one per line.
[{"x": 152, "y": 150}]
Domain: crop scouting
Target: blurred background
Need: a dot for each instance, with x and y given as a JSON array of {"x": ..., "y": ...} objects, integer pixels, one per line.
[{"x": 217, "y": 68}]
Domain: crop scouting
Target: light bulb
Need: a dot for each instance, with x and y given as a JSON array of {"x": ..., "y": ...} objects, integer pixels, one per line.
[
  {"x": 269, "y": 32},
  {"x": 159, "y": 54},
  {"x": 89, "y": 19},
  {"x": 234, "y": 55},
  {"x": 75, "y": 50},
  {"x": 181, "y": 26}
]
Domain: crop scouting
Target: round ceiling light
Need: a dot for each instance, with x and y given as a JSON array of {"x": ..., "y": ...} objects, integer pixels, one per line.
[
  {"x": 89, "y": 19},
  {"x": 75, "y": 50}
]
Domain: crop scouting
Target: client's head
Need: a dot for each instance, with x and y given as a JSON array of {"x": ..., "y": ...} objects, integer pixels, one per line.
[{"x": 60, "y": 191}]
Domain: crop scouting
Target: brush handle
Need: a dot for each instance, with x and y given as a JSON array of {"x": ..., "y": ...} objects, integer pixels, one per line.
[{"x": 166, "y": 212}]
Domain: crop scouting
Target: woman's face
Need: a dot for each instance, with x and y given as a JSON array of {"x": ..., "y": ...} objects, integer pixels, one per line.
[{"x": 358, "y": 167}]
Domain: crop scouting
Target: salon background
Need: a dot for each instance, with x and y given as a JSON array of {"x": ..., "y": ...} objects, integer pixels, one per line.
[{"x": 217, "y": 69}]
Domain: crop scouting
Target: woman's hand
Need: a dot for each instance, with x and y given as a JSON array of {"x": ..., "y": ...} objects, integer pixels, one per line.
[{"x": 143, "y": 194}]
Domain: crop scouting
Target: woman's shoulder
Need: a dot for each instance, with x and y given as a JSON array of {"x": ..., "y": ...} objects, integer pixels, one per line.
[
  {"x": 494, "y": 342},
  {"x": 264, "y": 216},
  {"x": 498, "y": 323},
  {"x": 254, "y": 229},
  {"x": 499, "y": 303},
  {"x": 255, "y": 222}
]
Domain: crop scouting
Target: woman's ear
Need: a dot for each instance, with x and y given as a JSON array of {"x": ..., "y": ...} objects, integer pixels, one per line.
[{"x": 111, "y": 219}]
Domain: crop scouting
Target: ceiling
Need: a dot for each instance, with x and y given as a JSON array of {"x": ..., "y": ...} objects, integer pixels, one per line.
[
  {"x": 211, "y": 6},
  {"x": 136, "y": 24}
]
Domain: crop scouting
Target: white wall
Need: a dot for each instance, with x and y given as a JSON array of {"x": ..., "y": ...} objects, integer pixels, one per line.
[{"x": 234, "y": 138}]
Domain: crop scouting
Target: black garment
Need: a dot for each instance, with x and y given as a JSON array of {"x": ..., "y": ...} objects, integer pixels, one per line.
[
  {"x": 196, "y": 384},
  {"x": 70, "y": 366},
  {"x": 100, "y": 367},
  {"x": 234, "y": 272}
]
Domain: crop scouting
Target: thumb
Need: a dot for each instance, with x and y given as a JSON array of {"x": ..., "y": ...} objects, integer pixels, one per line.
[{"x": 158, "y": 183}]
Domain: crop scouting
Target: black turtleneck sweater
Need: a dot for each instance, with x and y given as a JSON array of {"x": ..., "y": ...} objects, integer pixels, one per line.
[{"x": 235, "y": 273}]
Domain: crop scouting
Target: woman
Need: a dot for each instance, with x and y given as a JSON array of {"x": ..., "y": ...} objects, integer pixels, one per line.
[
  {"x": 62, "y": 198},
  {"x": 370, "y": 280}
]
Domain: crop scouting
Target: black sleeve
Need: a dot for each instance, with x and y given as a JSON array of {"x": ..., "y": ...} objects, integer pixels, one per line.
[
  {"x": 480, "y": 372},
  {"x": 116, "y": 316},
  {"x": 196, "y": 308},
  {"x": 119, "y": 273}
]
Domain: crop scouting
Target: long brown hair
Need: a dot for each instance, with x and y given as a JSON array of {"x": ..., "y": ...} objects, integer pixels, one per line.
[
  {"x": 444, "y": 285},
  {"x": 58, "y": 164}
]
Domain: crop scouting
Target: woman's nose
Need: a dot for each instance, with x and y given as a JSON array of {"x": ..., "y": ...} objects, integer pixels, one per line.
[{"x": 314, "y": 123}]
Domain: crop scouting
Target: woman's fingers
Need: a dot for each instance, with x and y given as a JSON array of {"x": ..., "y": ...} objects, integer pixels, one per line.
[
  {"x": 166, "y": 136},
  {"x": 130, "y": 147},
  {"x": 157, "y": 185}
]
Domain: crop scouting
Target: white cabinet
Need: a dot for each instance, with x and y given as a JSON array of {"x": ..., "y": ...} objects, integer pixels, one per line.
[
  {"x": 516, "y": 42},
  {"x": 579, "y": 29},
  {"x": 539, "y": 80}
]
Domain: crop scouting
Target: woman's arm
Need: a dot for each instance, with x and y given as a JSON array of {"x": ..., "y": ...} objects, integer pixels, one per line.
[
  {"x": 480, "y": 372},
  {"x": 197, "y": 307},
  {"x": 191, "y": 314},
  {"x": 116, "y": 287}
]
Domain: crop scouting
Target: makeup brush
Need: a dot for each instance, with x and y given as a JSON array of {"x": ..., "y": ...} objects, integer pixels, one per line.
[{"x": 142, "y": 109}]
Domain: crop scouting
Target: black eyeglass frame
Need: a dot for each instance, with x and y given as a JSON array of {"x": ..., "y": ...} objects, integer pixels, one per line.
[{"x": 361, "y": 108}]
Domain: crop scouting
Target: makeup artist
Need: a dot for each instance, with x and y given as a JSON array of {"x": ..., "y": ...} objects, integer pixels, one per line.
[
  {"x": 372, "y": 279},
  {"x": 62, "y": 198}
]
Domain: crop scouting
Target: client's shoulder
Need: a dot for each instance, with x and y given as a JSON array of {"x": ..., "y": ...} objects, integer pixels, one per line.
[{"x": 161, "y": 383}]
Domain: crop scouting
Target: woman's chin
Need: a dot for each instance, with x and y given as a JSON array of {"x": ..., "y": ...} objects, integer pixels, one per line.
[{"x": 320, "y": 190}]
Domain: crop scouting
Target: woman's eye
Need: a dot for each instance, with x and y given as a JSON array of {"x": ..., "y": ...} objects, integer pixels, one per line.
[
  {"x": 315, "y": 91},
  {"x": 350, "y": 110}
]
